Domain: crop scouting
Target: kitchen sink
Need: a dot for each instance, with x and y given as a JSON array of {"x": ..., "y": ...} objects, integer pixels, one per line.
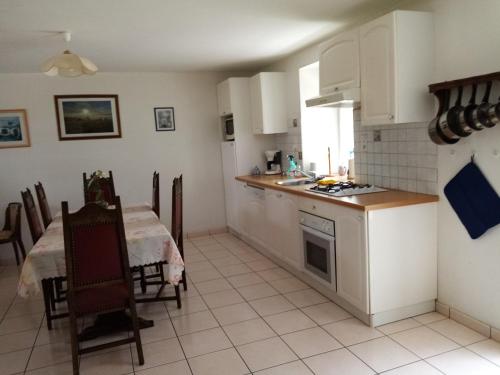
[{"x": 295, "y": 182}]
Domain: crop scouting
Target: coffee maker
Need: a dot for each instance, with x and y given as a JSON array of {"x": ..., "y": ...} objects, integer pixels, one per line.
[{"x": 273, "y": 158}]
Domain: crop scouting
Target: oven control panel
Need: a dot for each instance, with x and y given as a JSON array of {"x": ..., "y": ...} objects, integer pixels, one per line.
[{"x": 318, "y": 223}]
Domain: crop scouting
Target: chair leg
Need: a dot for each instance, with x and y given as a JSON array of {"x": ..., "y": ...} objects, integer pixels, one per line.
[
  {"x": 21, "y": 245},
  {"x": 137, "y": 335},
  {"x": 143, "y": 280},
  {"x": 14, "y": 245},
  {"x": 52, "y": 295},
  {"x": 46, "y": 285},
  {"x": 178, "y": 296},
  {"x": 184, "y": 281},
  {"x": 74, "y": 344}
]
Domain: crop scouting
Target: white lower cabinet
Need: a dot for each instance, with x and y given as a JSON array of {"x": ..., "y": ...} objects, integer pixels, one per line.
[
  {"x": 282, "y": 221},
  {"x": 252, "y": 211}
]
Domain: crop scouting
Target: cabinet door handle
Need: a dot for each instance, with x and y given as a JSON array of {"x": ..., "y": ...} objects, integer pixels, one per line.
[{"x": 391, "y": 117}]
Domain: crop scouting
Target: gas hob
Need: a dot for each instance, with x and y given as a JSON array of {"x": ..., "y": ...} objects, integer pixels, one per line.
[{"x": 345, "y": 189}]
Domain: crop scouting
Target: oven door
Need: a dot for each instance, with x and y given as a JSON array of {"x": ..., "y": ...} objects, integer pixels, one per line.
[{"x": 319, "y": 256}]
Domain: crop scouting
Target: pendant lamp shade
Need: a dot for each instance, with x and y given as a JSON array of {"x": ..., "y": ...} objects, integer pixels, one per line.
[{"x": 68, "y": 64}]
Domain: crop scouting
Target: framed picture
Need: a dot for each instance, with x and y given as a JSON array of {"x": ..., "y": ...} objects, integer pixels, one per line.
[
  {"x": 164, "y": 118},
  {"x": 14, "y": 131},
  {"x": 87, "y": 117}
]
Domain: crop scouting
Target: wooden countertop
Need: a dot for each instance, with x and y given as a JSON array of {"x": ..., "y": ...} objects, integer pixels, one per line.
[{"x": 366, "y": 202}]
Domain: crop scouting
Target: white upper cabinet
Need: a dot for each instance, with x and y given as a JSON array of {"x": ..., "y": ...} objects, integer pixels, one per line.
[
  {"x": 268, "y": 102},
  {"x": 224, "y": 98},
  {"x": 396, "y": 55},
  {"x": 339, "y": 63}
]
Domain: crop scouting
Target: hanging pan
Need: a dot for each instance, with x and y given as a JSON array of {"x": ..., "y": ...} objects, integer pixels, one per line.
[
  {"x": 455, "y": 120},
  {"x": 435, "y": 132},
  {"x": 483, "y": 109},
  {"x": 469, "y": 115}
]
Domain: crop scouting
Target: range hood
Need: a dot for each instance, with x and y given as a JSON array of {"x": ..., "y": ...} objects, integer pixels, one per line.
[{"x": 344, "y": 98}]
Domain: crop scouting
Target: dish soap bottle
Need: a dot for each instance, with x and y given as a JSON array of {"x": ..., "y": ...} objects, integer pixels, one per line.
[{"x": 292, "y": 166}]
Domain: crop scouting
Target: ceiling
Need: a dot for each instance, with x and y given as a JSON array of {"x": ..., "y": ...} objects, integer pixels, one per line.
[{"x": 171, "y": 35}]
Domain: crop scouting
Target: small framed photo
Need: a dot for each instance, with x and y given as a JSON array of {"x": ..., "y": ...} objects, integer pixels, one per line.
[
  {"x": 14, "y": 130},
  {"x": 87, "y": 117},
  {"x": 164, "y": 119}
]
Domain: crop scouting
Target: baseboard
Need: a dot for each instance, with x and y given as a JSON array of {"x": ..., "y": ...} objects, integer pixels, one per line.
[{"x": 206, "y": 232}]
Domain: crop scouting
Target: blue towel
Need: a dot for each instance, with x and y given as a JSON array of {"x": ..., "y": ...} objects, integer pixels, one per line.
[{"x": 474, "y": 200}]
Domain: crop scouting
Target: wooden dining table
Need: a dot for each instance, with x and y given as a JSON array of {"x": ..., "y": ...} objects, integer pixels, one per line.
[{"x": 148, "y": 243}]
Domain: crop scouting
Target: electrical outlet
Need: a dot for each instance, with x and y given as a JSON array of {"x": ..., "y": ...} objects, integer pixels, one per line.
[
  {"x": 377, "y": 136},
  {"x": 295, "y": 122}
]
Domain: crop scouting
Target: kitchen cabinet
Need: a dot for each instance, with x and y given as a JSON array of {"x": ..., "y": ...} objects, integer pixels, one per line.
[
  {"x": 396, "y": 60},
  {"x": 339, "y": 63},
  {"x": 282, "y": 221},
  {"x": 252, "y": 212},
  {"x": 229, "y": 171},
  {"x": 268, "y": 103},
  {"x": 224, "y": 98}
]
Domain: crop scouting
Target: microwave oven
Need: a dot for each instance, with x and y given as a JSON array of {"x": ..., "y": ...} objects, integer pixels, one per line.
[{"x": 228, "y": 125}]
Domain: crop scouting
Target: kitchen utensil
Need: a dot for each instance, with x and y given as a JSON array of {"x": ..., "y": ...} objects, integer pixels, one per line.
[
  {"x": 444, "y": 120},
  {"x": 494, "y": 113},
  {"x": 484, "y": 107},
  {"x": 455, "y": 122},
  {"x": 434, "y": 131},
  {"x": 469, "y": 115},
  {"x": 342, "y": 170}
]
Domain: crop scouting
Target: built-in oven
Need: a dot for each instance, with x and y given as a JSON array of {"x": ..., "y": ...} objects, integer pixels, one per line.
[
  {"x": 228, "y": 128},
  {"x": 318, "y": 239}
]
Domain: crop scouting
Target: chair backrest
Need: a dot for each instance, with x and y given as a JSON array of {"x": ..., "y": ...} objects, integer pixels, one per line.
[
  {"x": 176, "y": 231},
  {"x": 13, "y": 218},
  {"x": 95, "y": 247},
  {"x": 32, "y": 215},
  {"x": 107, "y": 186},
  {"x": 43, "y": 204},
  {"x": 155, "y": 201}
]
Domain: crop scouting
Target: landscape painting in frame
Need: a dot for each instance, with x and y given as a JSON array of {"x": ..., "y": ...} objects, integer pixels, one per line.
[
  {"x": 87, "y": 116},
  {"x": 14, "y": 130}
]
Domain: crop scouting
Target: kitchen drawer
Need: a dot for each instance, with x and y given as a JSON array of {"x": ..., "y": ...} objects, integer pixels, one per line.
[{"x": 316, "y": 207}]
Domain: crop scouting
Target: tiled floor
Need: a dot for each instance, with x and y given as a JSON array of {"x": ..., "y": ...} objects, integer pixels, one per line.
[{"x": 242, "y": 314}]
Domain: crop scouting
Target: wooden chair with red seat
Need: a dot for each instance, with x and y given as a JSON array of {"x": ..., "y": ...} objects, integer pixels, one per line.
[
  {"x": 107, "y": 186},
  {"x": 43, "y": 204},
  {"x": 11, "y": 231},
  {"x": 177, "y": 231},
  {"x": 34, "y": 224},
  {"x": 98, "y": 272}
]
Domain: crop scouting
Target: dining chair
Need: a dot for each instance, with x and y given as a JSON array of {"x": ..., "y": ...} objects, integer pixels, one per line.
[
  {"x": 43, "y": 204},
  {"x": 34, "y": 224},
  {"x": 177, "y": 218},
  {"x": 155, "y": 201},
  {"x": 98, "y": 272},
  {"x": 107, "y": 186},
  {"x": 11, "y": 231}
]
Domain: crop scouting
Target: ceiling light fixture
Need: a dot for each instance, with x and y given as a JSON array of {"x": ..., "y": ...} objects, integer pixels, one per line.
[{"x": 68, "y": 64}]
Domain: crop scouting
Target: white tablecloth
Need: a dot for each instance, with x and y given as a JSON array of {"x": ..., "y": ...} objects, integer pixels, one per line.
[{"x": 148, "y": 241}]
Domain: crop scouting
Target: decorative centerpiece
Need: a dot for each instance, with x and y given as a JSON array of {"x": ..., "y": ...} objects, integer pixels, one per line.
[{"x": 94, "y": 187}]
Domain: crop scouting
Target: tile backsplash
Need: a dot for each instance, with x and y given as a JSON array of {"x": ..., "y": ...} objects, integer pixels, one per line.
[{"x": 397, "y": 156}]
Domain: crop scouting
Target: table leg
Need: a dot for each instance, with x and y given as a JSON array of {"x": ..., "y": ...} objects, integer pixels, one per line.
[{"x": 46, "y": 287}]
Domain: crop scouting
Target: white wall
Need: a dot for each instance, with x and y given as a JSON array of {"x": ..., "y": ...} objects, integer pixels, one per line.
[
  {"x": 466, "y": 35},
  {"x": 193, "y": 149}
]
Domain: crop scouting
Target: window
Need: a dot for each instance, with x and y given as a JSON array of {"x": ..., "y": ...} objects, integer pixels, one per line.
[{"x": 323, "y": 128}]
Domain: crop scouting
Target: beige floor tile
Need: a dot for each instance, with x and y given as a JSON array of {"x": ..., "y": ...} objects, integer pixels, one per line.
[
  {"x": 261, "y": 265},
  {"x": 326, "y": 313},
  {"x": 292, "y": 368},
  {"x": 274, "y": 274},
  {"x": 266, "y": 353},
  {"x": 288, "y": 285},
  {"x": 194, "y": 322},
  {"x": 401, "y": 325},
  {"x": 248, "y": 331},
  {"x": 235, "y": 269},
  {"x": 457, "y": 332},
  {"x": 51, "y": 354},
  {"x": 310, "y": 342},
  {"x": 162, "y": 330},
  {"x": 245, "y": 279},
  {"x": 204, "y": 275},
  {"x": 234, "y": 313},
  {"x": 189, "y": 306},
  {"x": 488, "y": 349},
  {"x": 201, "y": 266},
  {"x": 463, "y": 362},
  {"x": 417, "y": 368},
  {"x": 424, "y": 342},
  {"x": 338, "y": 362},
  {"x": 306, "y": 297},
  {"x": 14, "y": 362},
  {"x": 220, "y": 253},
  {"x": 194, "y": 258},
  {"x": 203, "y": 342},
  {"x": 250, "y": 256},
  {"x": 114, "y": 363},
  {"x": 257, "y": 291},
  {"x": 65, "y": 368},
  {"x": 383, "y": 354},
  {"x": 352, "y": 331},
  {"x": 225, "y": 362},
  {"x": 29, "y": 307},
  {"x": 226, "y": 261},
  {"x": 289, "y": 321},
  {"x": 176, "y": 368},
  {"x": 56, "y": 334},
  {"x": 158, "y": 353},
  {"x": 153, "y": 311},
  {"x": 271, "y": 305},
  {"x": 222, "y": 298},
  {"x": 17, "y": 341},
  {"x": 20, "y": 323},
  {"x": 213, "y": 286},
  {"x": 429, "y": 317}
]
